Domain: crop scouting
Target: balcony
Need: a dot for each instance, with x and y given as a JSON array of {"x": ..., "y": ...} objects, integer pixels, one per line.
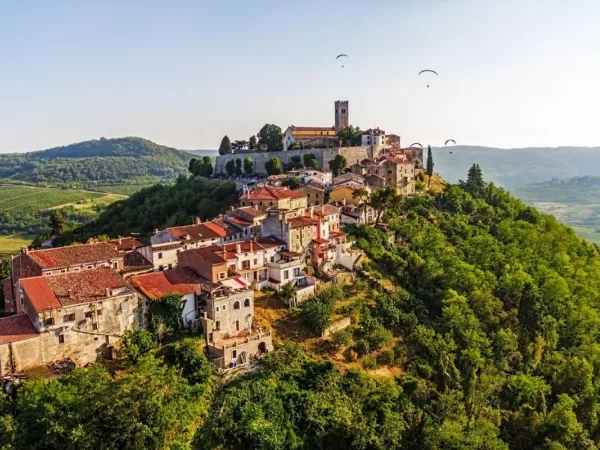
[{"x": 283, "y": 264}]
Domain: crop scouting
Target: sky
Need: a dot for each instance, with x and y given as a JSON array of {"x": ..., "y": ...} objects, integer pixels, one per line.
[{"x": 185, "y": 73}]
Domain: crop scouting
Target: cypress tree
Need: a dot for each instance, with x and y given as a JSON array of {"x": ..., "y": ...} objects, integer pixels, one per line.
[
  {"x": 225, "y": 146},
  {"x": 429, "y": 164}
]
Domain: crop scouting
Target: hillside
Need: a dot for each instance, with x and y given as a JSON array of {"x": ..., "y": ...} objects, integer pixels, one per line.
[
  {"x": 517, "y": 167},
  {"x": 160, "y": 206},
  {"x": 474, "y": 325},
  {"x": 96, "y": 161},
  {"x": 574, "y": 201}
]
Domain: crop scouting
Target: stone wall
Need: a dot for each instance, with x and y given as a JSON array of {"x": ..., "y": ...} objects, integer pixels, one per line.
[
  {"x": 25, "y": 354},
  {"x": 324, "y": 155},
  {"x": 337, "y": 325}
]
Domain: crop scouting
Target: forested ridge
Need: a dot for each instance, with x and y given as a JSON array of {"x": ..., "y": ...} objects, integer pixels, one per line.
[
  {"x": 494, "y": 309},
  {"x": 95, "y": 160},
  {"x": 160, "y": 206}
]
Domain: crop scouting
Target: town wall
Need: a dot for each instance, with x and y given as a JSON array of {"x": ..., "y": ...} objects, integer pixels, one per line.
[
  {"x": 25, "y": 354},
  {"x": 324, "y": 155},
  {"x": 336, "y": 326}
]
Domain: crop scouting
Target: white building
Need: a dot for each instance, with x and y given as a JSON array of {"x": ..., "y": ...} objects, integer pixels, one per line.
[{"x": 374, "y": 137}]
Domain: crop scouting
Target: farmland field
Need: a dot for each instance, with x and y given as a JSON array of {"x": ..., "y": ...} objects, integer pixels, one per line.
[{"x": 25, "y": 211}]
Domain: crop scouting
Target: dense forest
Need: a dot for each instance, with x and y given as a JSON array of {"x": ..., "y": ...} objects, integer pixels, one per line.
[
  {"x": 492, "y": 308},
  {"x": 95, "y": 161},
  {"x": 160, "y": 206}
]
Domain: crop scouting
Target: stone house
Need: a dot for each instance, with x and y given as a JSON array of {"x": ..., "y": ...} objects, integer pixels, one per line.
[
  {"x": 79, "y": 315},
  {"x": 247, "y": 219},
  {"x": 374, "y": 137},
  {"x": 270, "y": 197},
  {"x": 20, "y": 345},
  {"x": 344, "y": 195},
  {"x": 61, "y": 260},
  {"x": 309, "y": 137},
  {"x": 349, "y": 179},
  {"x": 183, "y": 281},
  {"x": 314, "y": 195}
]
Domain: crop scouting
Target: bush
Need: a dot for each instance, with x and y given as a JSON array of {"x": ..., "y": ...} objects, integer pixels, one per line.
[
  {"x": 421, "y": 177},
  {"x": 386, "y": 357},
  {"x": 137, "y": 343},
  {"x": 342, "y": 338},
  {"x": 424, "y": 371},
  {"x": 379, "y": 337},
  {"x": 362, "y": 347},
  {"x": 399, "y": 351},
  {"x": 370, "y": 363},
  {"x": 187, "y": 356},
  {"x": 315, "y": 315}
]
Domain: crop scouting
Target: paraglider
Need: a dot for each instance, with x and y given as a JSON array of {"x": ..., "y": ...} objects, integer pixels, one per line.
[
  {"x": 342, "y": 55},
  {"x": 450, "y": 140},
  {"x": 428, "y": 71},
  {"x": 416, "y": 143}
]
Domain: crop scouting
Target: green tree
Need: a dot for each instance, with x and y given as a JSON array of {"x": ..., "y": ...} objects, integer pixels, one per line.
[
  {"x": 294, "y": 146},
  {"x": 475, "y": 184},
  {"x": 238, "y": 167},
  {"x": 384, "y": 199},
  {"x": 273, "y": 166},
  {"x": 429, "y": 165},
  {"x": 192, "y": 166},
  {"x": 230, "y": 167},
  {"x": 207, "y": 169},
  {"x": 310, "y": 160},
  {"x": 316, "y": 315},
  {"x": 57, "y": 223},
  {"x": 137, "y": 343},
  {"x": 270, "y": 138},
  {"x": 292, "y": 182},
  {"x": 252, "y": 143},
  {"x": 248, "y": 166},
  {"x": 165, "y": 314},
  {"x": 350, "y": 136},
  {"x": 338, "y": 165},
  {"x": 287, "y": 293},
  {"x": 225, "y": 147},
  {"x": 188, "y": 356}
]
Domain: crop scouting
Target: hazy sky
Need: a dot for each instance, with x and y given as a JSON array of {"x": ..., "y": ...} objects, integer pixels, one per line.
[{"x": 184, "y": 73}]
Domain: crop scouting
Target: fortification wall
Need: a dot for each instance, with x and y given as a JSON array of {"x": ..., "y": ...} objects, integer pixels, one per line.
[{"x": 324, "y": 155}]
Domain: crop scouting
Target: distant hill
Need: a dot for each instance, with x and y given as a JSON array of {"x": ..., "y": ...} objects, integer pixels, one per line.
[
  {"x": 97, "y": 160},
  {"x": 211, "y": 153},
  {"x": 519, "y": 166}
]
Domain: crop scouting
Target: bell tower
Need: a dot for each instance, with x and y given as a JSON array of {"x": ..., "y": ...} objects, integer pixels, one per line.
[{"x": 342, "y": 114}]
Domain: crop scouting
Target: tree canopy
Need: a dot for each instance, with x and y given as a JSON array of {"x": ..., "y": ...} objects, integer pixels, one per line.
[
  {"x": 273, "y": 166},
  {"x": 338, "y": 165},
  {"x": 225, "y": 148},
  {"x": 350, "y": 136},
  {"x": 270, "y": 138}
]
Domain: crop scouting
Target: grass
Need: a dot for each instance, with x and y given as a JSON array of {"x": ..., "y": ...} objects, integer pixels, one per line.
[
  {"x": 13, "y": 243},
  {"x": 124, "y": 189},
  {"x": 30, "y": 200}
]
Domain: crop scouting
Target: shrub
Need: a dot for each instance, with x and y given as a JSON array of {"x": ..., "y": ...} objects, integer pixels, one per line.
[
  {"x": 137, "y": 343},
  {"x": 399, "y": 351},
  {"x": 386, "y": 357},
  {"x": 424, "y": 371},
  {"x": 352, "y": 356},
  {"x": 379, "y": 337},
  {"x": 370, "y": 363},
  {"x": 315, "y": 315},
  {"x": 187, "y": 355},
  {"x": 362, "y": 347},
  {"x": 342, "y": 338}
]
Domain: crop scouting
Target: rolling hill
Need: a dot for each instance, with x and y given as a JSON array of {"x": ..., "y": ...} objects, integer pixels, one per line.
[
  {"x": 96, "y": 161},
  {"x": 517, "y": 167}
]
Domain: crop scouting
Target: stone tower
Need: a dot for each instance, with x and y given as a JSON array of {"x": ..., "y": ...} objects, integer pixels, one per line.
[{"x": 342, "y": 114}]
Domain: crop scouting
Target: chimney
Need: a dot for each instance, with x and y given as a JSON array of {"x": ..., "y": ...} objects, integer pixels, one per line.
[
  {"x": 156, "y": 231},
  {"x": 70, "y": 293},
  {"x": 344, "y": 201},
  {"x": 107, "y": 292},
  {"x": 197, "y": 220},
  {"x": 120, "y": 240},
  {"x": 312, "y": 210},
  {"x": 238, "y": 247}
]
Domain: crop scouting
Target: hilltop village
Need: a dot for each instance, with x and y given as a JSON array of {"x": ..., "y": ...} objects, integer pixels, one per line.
[{"x": 76, "y": 302}]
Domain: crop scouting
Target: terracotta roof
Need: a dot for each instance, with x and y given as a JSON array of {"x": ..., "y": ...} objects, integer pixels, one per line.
[
  {"x": 291, "y": 254},
  {"x": 270, "y": 242},
  {"x": 245, "y": 246},
  {"x": 181, "y": 280},
  {"x": 16, "y": 328},
  {"x": 336, "y": 234},
  {"x": 297, "y": 222},
  {"x": 209, "y": 255},
  {"x": 305, "y": 137},
  {"x": 197, "y": 232},
  {"x": 52, "y": 292},
  {"x": 326, "y": 210},
  {"x": 240, "y": 221},
  {"x": 270, "y": 193},
  {"x": 249, "y": 210},
  {"x": 134, "y": 261},
  {"x": 74, "y": 255},
  {"x": 373, "y": 131},
  {"x": 320, "y": 241},
  {"x": 126, "y": 244},
  {"x": 347, "y": 177},
  {"x": 220, "y": 226},
  {"x": 312, "y": 128}
]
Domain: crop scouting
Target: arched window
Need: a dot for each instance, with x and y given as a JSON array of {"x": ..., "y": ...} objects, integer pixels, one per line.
[
  {"x": 247, "y": 302},
  {"x": 236, "y": 305}
]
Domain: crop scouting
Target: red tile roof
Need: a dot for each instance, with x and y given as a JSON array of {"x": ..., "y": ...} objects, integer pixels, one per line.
[
  {"x": 181, "y": 280},
  {"x": 74, "y": 255},
  {"x": 134, "y": 261},
  {"x": 209, "y": 254},
  {"x": 270, "y": 242},
  {"x": 250, "y": 211},
  {"x": 270, "y": 193},
  {"x": 126, "y": 244},
  {"x": 240, "y": 222},
  {"x": 336, "y": 234},
  {"x": 297, "y": 222},
  {"x": 313, "y": 128},
  {"x": 303, "y": 137},
  {"x": 325, "y": 210},
  {"x": 16, "y": 328},
  {"x": 320, "y": 241},
  {"x": 52, "y": 292},
  {"x": 198, "y": 232}
]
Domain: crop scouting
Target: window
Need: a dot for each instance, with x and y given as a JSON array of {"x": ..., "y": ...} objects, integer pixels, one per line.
[
  {"x": 95, "y": 326},
  {"x": 218, "y": 325},
  {"x": 160, "y": 255},
  {"x": 246, "y": 302},
  {"x": 170, "y": 266},
  {"x": 49, "y": 321},
  {"x": 90, "y": 267},
  {"x": 217, "y": 309},
  {"x": 222, "y": 275},
  {"x": 272, "y": 259},
  {"x": 224, "y": 307},
  {"x": 161, "y": 268},
  {"x": 99, "y": 312},
  {"x": 48, "y": 273},
  {"x": 61, "y": 338},
  {"x": 69, "y": 318},
  {"x": 255, "y": 262},
  {"x": 76, "y": 269},
  {"x": 234, "y": 354},
  {"x": 236, "y": 305},
  {"x": 286, "y": 274},
  {"x": 88, "y": 315},
  {"x": 63, "y": 271}
]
